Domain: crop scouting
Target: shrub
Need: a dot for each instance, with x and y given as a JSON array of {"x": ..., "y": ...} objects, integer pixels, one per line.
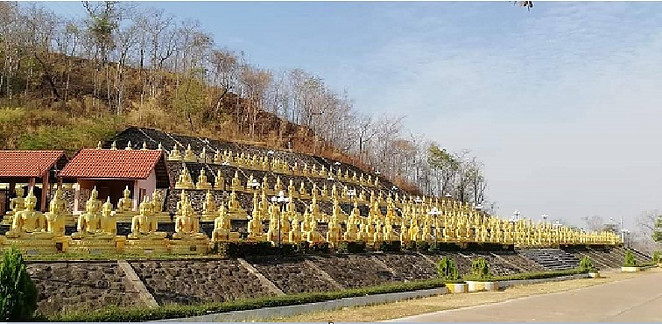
[
  {"x": 410, "y": 246},
  {"x": 480, "y": 269},
  {"x": 656, "y": 256},
  {"x": 390, "y": 246},
  {"x": 447, "y": 270},
  {"x": 585, "y": 264},
  {"x": 351, "y": 247},
  {"x": 629, "y": 261},
  {"x": 422, "y": 246},
  {"x": 18, "y": 294}
]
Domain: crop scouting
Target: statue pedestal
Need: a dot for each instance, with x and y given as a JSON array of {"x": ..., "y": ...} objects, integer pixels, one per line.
[
  {"x": 94, "y": 245},
  {"x": 146, "y": 245},
  {"x": 7, "y": 218},
  {"x": 124, "y": 217},
  {"x": 238, "y": 214},
  {"x": 189, "y": 246},
  {"x": 31, "y": 244}
]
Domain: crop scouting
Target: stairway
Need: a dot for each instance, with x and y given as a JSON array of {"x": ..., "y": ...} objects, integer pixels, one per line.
[{"x": 551, "y": 259}]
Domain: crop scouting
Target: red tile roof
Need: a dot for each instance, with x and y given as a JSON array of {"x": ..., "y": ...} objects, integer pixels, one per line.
[
  {"x": 112, "y": 164},
  {"x": 27, "y": 164}
]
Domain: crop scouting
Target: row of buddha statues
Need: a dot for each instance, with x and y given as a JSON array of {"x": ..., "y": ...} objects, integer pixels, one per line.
[
  {"x": 254, "y": 162},
  {"x": 275, "y": 165},
  {"x": 413, "y": 221}
]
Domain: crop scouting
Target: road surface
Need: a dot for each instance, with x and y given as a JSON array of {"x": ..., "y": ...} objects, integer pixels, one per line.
[{"x": 633, "y": 300}]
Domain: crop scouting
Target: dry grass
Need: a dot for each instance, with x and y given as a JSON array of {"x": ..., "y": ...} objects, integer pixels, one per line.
[{"x": 445, "y": 302}]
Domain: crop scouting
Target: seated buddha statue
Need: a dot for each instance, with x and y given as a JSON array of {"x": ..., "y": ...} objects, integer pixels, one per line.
[
  {"x": 255, "y": 228},
  {"x": 295, "y": 232},
  {"x": 219, "y": 183},
  {"x": 174, "y": 154},
  {"x": 89, "y": 223},
  {"x": 274, "y": 218},
  {"x": 157, "y": 201},
  {"x": 28, "y": 222},
  {"x": 351, "y": 232},
  {"x": 203, "y": 155},
  {"x": 144, "y": 225},
  {"x": 414, "y": 230},
  {"x": 18, "y": 203},
  {"x": 389, "y": 234},
  {"x": 334, "y": 232},
  {"x": 125, "y": 204},
  {"x": 223, "y": 227},
  {"x": 97, "y": 224},
  {"x": 323, "y": 193},
  {"x": 185, "y": 181},
  {"x": 209, "y": 210},
  {"x": 313, "y": 235},
  {"x": 189, "y": 156},
  {"x": 56, "y": 215},
  {"x": 305, "y": 224},
  {"x": 295, "y": 169},
  {"x": 187, "y": 225},
  {"x": 203, "y": 183},
  {"x": 236, "y": 184},
  {"x": 305, "y": 171},
  {"x": 234, "y": 208},
  {"x": 291, "y": 190},
  {"x": 278, "y": 186},
  {"x": 218, "y": 157},
  {"x": 378, "y": 236},
  {"x": 303, "y": 194}
]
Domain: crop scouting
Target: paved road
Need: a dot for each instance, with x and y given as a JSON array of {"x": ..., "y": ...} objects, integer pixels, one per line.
[{"x": 633, "y": 300}]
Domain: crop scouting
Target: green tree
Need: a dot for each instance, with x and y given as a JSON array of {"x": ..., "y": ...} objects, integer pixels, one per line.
[
  {"x": 657, "y": 231},
  {"x": 447, "y": 270},
  {"x": 18, "y": 294},
  {"x": 585, "y": 264},
  {"x": 445, "y": 166},
  {"x": 480, "y": 269},
  {"x": 629, "y": 261}
]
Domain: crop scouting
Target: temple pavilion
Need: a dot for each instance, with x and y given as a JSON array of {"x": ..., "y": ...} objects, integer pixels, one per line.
[
  {"x": 25, "y": 169},
  {"x": 111, "y": 171}
]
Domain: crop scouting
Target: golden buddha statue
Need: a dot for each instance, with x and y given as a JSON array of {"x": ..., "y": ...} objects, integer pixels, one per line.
[
  {"x": 414, "y": 230},
  {"x": 174, "y": 154},
  {"x": 314, "y": 236},
  {"x": 157, "y": 201},
  {"x": 265, "y": 185},
  {"x": 185, "y": 181},
  {"x": 323, "y": 193},
  {"x": 125, "y": 204},
  {"x": 236, "y": 184},
  {"x": 189, "y": 156},
  {"x": 17, "y": 204},
  {"x": 203, "y": 155},
  {"x": 295, "y": 169},
  {"x": 29, "y": 223},
  {"x": 305, "y": 172},
  {"x": 56, "y": 216},
  {"x": 334, "y": 232},
  {"x": 203, "y": 183},
  {"x": 305, "y": 224},
  {"x": 89, "y": 223},
  {"x": 209, "y": 212},
  {"x": 389, "y": 235},
  {"x": 303, "y": 194},
  {"x": 234, "y": 208},
  {"x": 255, "y": 228},
  {"x": 223, "y": 227},
  {"x": 295, "y": 232},
  {"x": 144, "y": 225},
  {"x": 291, "y": 190},
  {"x": 187, "y": 225},
  {"x": 278, "y": 187},
  {"x": 218, "y": 157},
  {"x": 274, "y": 219},
  {"x": 351, "y": 234}
]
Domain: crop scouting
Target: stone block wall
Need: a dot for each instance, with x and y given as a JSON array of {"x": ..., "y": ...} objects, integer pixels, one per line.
[
  {"x": 409, "y": 266},
  {"x": 352, "y": 271},
  {"x": 78, "y": 286},
  {"x": 292, "y": 275},
  {"x": 198, "y": 281}
]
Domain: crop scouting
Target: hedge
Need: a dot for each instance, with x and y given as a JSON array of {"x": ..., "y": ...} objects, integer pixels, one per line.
[{"x": 116, "y": 314}]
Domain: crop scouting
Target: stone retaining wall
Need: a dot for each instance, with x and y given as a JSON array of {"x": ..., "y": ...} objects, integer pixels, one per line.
[{"x": 77, "y": 286}]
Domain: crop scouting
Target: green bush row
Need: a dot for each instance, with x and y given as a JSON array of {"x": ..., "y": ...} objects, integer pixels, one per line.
[{"x": 116, "y": 314}]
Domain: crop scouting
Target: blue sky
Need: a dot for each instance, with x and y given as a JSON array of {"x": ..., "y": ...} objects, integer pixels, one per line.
[{"x": 561, "y": 103}]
